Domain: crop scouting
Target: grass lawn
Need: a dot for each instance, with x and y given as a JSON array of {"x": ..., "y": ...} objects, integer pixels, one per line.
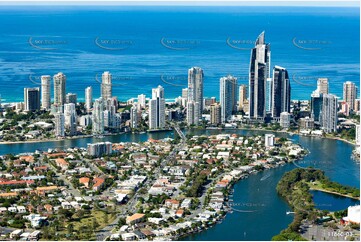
[
  {"x": 317, "y": 185},
  {"x": 87, "y": 222}
]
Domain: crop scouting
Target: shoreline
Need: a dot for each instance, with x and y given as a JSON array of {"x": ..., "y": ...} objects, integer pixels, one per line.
[
  {"x": 56, "y": 139},
  {"x": 228, "y": 208},
  {"x": 147, "y": 131},
  {"x": 335, "y": 193}
]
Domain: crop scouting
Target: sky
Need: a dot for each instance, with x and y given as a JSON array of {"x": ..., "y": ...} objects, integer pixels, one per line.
[{"x": 321, "y": 3}]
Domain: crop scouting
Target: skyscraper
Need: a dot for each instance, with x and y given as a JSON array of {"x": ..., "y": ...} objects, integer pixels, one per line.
[
  {"x": 141, "y": 101},
  {"x": 328, "y": 116},
  {"x": 31, "y": 99},
  {"x": 281, "y": 92},
  {"x": 157, "y": 109},
  {"x": 134, "y": 117},
  {"x": 269, "y": 89},
  {"x": 185, "y": 93},
  {"x": 192, "y": 113},
  {"x": 322, "y": 85},
  {"x": 350, "y": 94},
  {"x": 71, "y": 98},
  {"x": 59, "y": 89},
  {"x": 45, "y": 92},
  {"x": 215, "y": 113},
  {"x": 195, "y": 87},
  {"x": 88, "y": 98},
  {"x": 259, "y": 71},
  {"x": 228, "y": 97},
  {"x": 111, "y": 107},
  {"x": 59, "y": 124},
  {"x": 316, "y": 105},
  {"x": 106, "y": 86},
  {"x": 242, "y": 96},
  {"x": 98, "y": 116},
  {"x": 70, "y": 118}
]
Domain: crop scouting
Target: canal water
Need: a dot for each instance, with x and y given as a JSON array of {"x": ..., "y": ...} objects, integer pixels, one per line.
[
  {"x": 264, "y": 211},
  {"x": 332, "y": 202}
]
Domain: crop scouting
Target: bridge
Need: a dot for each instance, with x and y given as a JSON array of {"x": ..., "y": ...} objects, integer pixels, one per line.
[{"x": 180, "y": 133}]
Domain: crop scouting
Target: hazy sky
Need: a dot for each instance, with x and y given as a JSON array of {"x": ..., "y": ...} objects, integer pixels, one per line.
[{"x": 189, "y": 3}]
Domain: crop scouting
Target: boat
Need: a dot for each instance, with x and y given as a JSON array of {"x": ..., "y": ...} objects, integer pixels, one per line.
[
  {"x": 265, "y": 177},
  {"x": 289, "y": 212}
]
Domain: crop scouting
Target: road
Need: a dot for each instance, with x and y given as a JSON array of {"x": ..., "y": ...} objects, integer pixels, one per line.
[
  {"x": 61, "y": 176},
  {"x": 320, "y": 233},
  {"x": 130, "y": 206}
]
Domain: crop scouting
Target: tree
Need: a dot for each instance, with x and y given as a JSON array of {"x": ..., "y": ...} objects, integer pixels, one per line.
[
  {"x": 95, "y": 224},
  {"x": 106, "y": 218},
  {"x": 70, "y": 229}
]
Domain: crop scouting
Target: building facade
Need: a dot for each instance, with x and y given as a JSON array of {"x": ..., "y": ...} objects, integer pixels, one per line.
[
  {"x": 45, "y": 92},
  {"x": 31, "y": 99},
  {"x": 228, "y": 97},
  {"x": 106, "y": 86},
  {"x": 59, "y": 89},
  {"x": 259, "y": 71},
  {"x": 281, "y": 92}
]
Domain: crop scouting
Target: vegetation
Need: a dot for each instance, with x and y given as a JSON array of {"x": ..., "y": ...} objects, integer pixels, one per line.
[
  {"x": 294, "y": 188},
  {"x": 196, "y": 189}
]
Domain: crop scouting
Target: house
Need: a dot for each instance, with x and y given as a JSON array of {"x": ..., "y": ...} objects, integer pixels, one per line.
[
  {"x": 98, "y": 183},
  {"x": 156, "y": 221},
  {"x": 8, "y": 194},
  {"x": 135, "y": 218},
  {"x": 21, "y": 209},
  {"x": 16, "y": 183},
  {"x": 66, "y": 205},
  {"x": 179, "y": 213},
  {"x": 171, "y": 203},
  {"x": 48, "y": 208},
  {"x": 3, "y": 210},
  {"x": 35, "y": 220},
  {"x": 139, "y": 235},
  {"x": 128, "y": 237},
  {"x": 27, "y": 158},
  {"x": 63, "y": 164},
  {"x": 16, "y": 234},
  {"x": 186, "y": 203},
  {"x": 85, "y": 181},
  {"x": 12, "y": 209},
  {"x": 44, "y": 190},
  {"x": 34, "y": 235}
]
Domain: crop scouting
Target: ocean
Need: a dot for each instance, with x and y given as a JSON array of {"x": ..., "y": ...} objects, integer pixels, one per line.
[{"x": 144, "y": 47}]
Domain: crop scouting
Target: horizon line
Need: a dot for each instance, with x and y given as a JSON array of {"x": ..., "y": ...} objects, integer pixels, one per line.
[{"x": 185, "y": 3}]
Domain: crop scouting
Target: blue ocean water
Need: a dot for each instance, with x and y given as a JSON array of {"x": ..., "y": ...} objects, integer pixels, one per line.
[{"x": 148, "y": 46}]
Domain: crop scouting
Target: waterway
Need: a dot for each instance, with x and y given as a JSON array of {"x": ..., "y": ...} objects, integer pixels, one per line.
[{"x": 265, "y": 212}]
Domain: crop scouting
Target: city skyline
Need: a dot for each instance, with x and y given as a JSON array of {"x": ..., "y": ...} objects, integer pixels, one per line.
[{"x": 193, "y": 121}]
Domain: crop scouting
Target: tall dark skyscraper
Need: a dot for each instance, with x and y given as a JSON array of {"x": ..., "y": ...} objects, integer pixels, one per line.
[
  {"x": 259, "y": 71},
  {"x": 281, "y": 92},
  {"x": 32, "y": 99}
]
